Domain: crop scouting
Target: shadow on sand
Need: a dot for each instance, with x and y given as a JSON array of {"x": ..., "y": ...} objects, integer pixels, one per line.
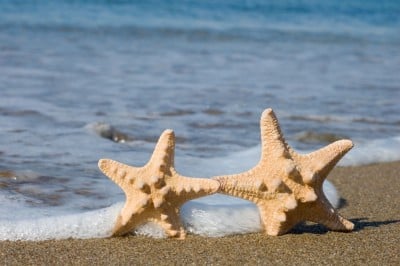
[{"x": 359, "y": 224}]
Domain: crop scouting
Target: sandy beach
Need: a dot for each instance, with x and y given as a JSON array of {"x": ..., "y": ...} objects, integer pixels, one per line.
[{"x": 371, "y": 200}]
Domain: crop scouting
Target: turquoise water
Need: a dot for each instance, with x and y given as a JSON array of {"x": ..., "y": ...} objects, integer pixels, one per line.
[{"x": 207, "y": 69}]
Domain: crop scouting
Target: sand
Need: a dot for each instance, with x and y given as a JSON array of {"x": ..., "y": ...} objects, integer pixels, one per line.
[{"x": 372, "y": 202}]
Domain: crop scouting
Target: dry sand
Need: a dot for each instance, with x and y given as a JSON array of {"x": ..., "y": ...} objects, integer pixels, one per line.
[{"x": 372, "y": 202}]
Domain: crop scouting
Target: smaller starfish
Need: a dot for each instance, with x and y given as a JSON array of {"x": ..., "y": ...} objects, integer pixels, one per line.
[
  {"x": 155, "y": 192},
  {"x": 286, "y": 186}
]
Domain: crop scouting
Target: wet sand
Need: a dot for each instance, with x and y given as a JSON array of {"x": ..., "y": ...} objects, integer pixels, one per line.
[{"x": 372, "y": 202}]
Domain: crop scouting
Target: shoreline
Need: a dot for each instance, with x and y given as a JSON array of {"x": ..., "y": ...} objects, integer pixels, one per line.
[{"x": 371, "y": 201}]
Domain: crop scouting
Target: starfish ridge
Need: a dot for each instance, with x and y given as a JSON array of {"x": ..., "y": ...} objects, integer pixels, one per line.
[
  {"x": 155, "y": 191},
  {"x": 287, "y": 186}
]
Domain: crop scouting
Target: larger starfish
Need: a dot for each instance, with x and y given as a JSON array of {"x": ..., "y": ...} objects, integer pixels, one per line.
[
  {"x": 287, "y": 186},
  {"x": 155, "y": 191}
]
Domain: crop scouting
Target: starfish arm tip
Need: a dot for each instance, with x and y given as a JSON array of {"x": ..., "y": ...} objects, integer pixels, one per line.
[
  {"x": 275, "y": 229},
  {"x": 167, "y": 136},
  {"x": 272, "y": 233},
  {"x": 268, "y": 116},
  {"x": 340, "y": 225},
  {"x": 164, "y": 149},
  {"x": 267, "y": 112},
  {"x": 272, "y": 140},
  {"x": 340, "y": 147},
  {"x": 347, "y": 144},
  {"x": 168, "y": 131},
  {"x": 349, "y": 226},
  {"x": 103, "y": 164}
]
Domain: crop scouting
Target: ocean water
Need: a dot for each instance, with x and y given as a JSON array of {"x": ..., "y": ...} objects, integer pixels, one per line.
[{"x": 83, "y": 80}]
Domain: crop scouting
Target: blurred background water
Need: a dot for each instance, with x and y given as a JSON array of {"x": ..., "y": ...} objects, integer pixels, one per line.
[{"x": 75, "y": 75}]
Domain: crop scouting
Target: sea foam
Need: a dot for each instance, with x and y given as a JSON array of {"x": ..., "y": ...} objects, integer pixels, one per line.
[
  {"x": 93, "y": 224},
  {"x": 374, "y": 151}
]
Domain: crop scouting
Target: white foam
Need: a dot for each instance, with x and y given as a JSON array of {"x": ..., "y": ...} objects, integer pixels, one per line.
[
  {"x": 93, "y": 224},
  {"x": 220, "y": 220},
  {"x": 374, "y": 151}
]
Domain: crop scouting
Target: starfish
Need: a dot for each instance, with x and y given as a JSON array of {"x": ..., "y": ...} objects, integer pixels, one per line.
[
  {"x": 287, "y": 186},
  {"x": 155, "y": 191}
]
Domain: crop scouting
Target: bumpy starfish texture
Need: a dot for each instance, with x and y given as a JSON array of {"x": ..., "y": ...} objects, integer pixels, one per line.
[
  {"x": 287, "y": 186},
  {"x": 155, "y": 191}
]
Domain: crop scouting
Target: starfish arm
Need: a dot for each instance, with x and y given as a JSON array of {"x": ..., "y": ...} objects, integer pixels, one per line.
[
  {"x": 272, "y": 140},
  {"x": 170, "y": 221},
  {"x": 132, "y": 214},
  {"x": 274, "y": 216},
  {"x": 188, "y": 188},
  {"x": 256, "y": 184},
  {"x": 336, "y": 222},
  {"x": 122, "y": 174},
  {"x": 316, "y": 166},
  {"x": 164, "y": 150},
  {"x": 323, "y": 160},
  {"x": 322, "y": 212},
  {"x": 272, "y": 225},
  {"x": 244, "y": 185}
]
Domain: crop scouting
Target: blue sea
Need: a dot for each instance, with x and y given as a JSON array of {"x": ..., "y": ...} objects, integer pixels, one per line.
[{"x": 83, "y": 80}]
